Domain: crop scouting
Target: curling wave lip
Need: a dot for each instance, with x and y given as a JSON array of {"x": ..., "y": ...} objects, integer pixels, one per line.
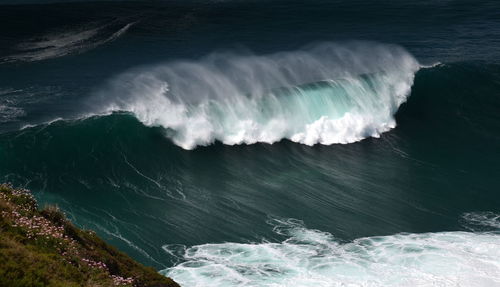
[{"x": 323, "y": 94}]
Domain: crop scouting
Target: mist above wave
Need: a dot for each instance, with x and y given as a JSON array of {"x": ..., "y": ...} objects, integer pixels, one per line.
[{"x": 325, "y": 93}]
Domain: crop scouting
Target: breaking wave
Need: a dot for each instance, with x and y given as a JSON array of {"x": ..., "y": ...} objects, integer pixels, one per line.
[
  {"x": 326, "y": 93},
  {"x": 314, "y": 258}
]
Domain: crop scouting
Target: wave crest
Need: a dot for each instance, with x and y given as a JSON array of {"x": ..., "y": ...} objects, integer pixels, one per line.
[{"x": 326, "y": 93}]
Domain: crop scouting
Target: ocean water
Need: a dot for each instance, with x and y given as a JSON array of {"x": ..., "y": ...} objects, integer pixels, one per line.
[{"x": 264, "y": 143}]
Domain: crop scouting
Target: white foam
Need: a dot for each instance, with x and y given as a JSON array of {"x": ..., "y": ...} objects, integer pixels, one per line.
[
  {"x": 315, "y": 258},
  {"x": 8, "y": 113},
  {"x": 328, "y": 93},
  {"x": 60, "y": 44},
  {"x": 482, "y": 219},
  {"x": 433, "y": 65},
  {"x": 10, "y": 109}
]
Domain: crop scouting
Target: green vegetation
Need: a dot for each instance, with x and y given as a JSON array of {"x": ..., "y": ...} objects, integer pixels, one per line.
[{"x": 42, "y": 248}]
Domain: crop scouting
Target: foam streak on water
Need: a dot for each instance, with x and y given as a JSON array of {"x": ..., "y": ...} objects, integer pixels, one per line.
[
  {"x": 65, "y": 43},
  {"x": 314, "y": 258},
  {"x": 327, "y": 93}
]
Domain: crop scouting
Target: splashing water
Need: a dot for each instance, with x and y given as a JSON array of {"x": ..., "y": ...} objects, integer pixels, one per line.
[
  {"x": 314, "y": 258},
  {"x": 327, "y": 93}
]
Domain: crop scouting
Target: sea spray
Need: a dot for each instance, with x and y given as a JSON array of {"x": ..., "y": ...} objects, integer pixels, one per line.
[{"x": 325, "y": 93}]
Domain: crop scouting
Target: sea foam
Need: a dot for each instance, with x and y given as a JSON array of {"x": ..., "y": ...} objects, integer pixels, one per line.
[
  {"x": 314, "y": 258},
  {"x": 63, "y": 43}
]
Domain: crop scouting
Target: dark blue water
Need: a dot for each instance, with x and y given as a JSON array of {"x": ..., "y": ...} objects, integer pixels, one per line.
[{"x": 264, "y": 143}]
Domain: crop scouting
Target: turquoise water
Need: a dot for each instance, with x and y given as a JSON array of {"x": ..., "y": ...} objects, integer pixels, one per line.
[{"x": 262, "y": 143}]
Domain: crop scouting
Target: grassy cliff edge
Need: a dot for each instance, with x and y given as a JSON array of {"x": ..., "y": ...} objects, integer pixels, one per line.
[{"x": 40, "y": 247}]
